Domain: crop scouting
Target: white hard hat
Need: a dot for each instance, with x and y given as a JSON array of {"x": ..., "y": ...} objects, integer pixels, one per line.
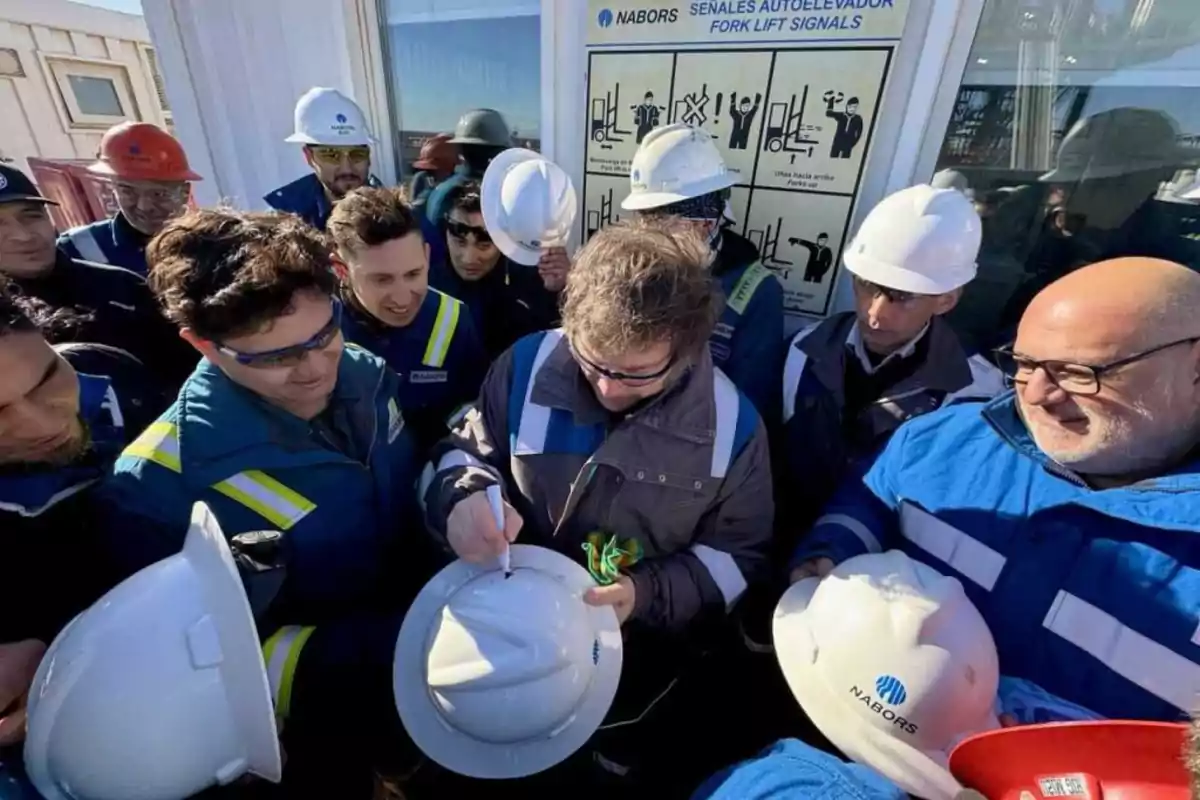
[
  {"x": 920, "y": 239},
  {"x": 675, "y": 162},
  {"x": 528, "y": 204},
  {"x": 501, "y": 677},
  {"x": 892, "y": 663},
  {"x": 159, "y": 690},
  {"x": 327, "y": 117},
  {"x": 950, "y": 179}
]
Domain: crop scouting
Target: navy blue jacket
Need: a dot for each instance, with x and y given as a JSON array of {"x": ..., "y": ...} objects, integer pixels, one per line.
[
  {"x": 112, "y": 241},
  {"x": 1092, "y": 594},
  {"x": 438, "y": 358}
]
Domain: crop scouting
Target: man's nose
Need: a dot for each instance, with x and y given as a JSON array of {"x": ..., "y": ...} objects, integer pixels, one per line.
[
  {"x": 879, "y": 312},
  {"x": 1041, "y": 390}
]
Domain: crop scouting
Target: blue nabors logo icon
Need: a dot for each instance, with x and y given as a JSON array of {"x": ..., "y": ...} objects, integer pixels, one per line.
[
  {"x": 637, "y": 16},
  {"x": 341, "y": 118},
  {"x": 605, "y": 18},
  {"x": 888, "y": 692}
]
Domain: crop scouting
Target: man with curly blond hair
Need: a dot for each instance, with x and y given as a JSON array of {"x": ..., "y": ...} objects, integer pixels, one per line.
[{"x": 618, "y": 443}]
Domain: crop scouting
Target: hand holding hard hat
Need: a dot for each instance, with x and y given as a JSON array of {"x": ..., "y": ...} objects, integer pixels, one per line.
[
  {"x": 471, "y": 529},
  {"x": 159, "y": 690},
  {"x": 528, "y": 203},
  {"x": 892, "y": 663},
  {"x": 501, "y": 677}
]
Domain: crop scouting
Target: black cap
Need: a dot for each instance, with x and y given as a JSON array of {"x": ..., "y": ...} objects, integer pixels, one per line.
[{"x": 15, "y": 186}]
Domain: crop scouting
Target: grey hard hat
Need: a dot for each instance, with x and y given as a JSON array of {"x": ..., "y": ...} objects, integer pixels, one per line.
[{"x": 483, "y": 126}]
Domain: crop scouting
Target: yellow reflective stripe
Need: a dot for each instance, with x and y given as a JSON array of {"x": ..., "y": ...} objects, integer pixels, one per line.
[
  {"x": 158, "y": 443},
  {"x": 443, "y": 331},
  {"x": 745, "y": 287},
  {"x": 281, "y": 654},
  {"x": 261, "y": 493}
]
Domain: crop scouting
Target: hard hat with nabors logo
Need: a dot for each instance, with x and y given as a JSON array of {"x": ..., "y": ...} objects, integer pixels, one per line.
[
  {"x": 139, "y": 151},
  {"x": 325, "y": 116},
  {"x": 528, "y": 204},
  {"x": 673, "y": 163},
  {"x": 892, "y": 663}
]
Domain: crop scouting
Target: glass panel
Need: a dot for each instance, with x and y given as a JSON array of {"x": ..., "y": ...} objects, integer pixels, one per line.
[
  {"x": 451, "y": 56},
  {"x": 1076, "y": 130},
  {"x": 96, "y": 96}
]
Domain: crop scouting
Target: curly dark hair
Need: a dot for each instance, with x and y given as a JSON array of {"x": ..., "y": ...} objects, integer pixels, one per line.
[
  {"x": 225, "y": 273},
  {"x": 465, "y": 197},
  {"x": 371, "y": 216},
  {"x": 639, "y": 282}
]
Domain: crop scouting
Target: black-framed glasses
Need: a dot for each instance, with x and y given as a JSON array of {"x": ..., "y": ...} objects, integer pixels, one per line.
[
  {"x": 892, "y": 295},
  {"x": 1071, "y": 377},
  {"x": 627, "y": 378},
  {"x": 461, "y": 230},
  {"x": 292, "y": 355}
]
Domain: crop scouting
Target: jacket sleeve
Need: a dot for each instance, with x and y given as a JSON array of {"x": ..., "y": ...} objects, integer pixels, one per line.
[
  {"x": 474, "y": 455},
  {"x": 756, "y": 353},
  {"x": 472, "y": 359},
  {"x": 67, "y": 247},
  {"x": 729, "y": 551},
  {"x": 861, "y": 517}
]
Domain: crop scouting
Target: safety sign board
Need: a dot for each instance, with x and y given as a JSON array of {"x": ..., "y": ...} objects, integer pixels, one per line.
[{"x": 791, "y": 109}]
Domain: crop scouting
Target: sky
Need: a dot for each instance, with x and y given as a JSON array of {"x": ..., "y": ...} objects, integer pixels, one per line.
[{"x": 128, "y": 6}]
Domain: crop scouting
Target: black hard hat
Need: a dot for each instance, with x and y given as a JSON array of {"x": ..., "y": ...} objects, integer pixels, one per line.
[
  {"x": 15, "y": 186},
  {"x": 483, "y": 126}
]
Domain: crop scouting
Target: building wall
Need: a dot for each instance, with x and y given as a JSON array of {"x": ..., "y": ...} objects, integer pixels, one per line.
[{"x": 42, "y": 44}]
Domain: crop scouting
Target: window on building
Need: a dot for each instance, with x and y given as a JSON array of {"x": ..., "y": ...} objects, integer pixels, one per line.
[
  {"x": 94, "y": 94},
  {"x": 1076, "y": 130},
  {"x": 160, "y": 88},
  {"x": 450, "y": 56}
]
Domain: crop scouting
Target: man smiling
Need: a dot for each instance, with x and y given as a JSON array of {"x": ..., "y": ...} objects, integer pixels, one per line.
[{"x": 1069, "y": 508}]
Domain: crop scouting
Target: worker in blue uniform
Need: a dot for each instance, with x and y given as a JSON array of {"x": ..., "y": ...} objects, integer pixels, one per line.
[
  {"x": 281, "y": 428},
  {"x": 151, "y": 182},
  {"x": 1068, "y": 508},
  {"x": 426, "y": 336},
  {"x": 679, "y": 171},
  {"x": 481, "y": 135}
]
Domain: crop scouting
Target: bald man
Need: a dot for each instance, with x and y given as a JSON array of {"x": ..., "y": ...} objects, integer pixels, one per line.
[{"x": 1069, "y": 507}]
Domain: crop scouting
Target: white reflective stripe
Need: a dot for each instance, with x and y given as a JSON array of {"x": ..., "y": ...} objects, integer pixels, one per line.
[
  {"x": 727, "y": 403},
  {"x": 961, "y": 552},
  {"x": 854, "y": 526},
  {"x": 1140, "y": 660},
  {"x": 986, "y": 381},
  {"x": 85, "y": 242},
  {"x": 793, "y": 369},
  {"x": 458, "y": 458},
  {"x": 724, "y": 571},
  {"x": 282, "y": 652},
  {"x": 535, "y": 419},
  {"x": 283, "y": 511}
]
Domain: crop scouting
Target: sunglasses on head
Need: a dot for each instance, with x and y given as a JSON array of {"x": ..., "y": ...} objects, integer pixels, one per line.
[
  {"x": 461, "y": 230},
  {"x": 292, "y": 355}
]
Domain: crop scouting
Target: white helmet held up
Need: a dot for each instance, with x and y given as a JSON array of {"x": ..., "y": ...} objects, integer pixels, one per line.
[
  {"x": 528, "y": 204},
  {"x": 503, "y": 677},
  {"x": 327, "y": 117},
  {"x": 892, "y": 663},
  {"x": 675, "y": 162},
  {"x": 920, "y": 239},
  {"x": 159, "y": 690}
]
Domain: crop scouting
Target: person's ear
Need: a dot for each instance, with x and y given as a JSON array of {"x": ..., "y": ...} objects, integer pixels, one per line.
[
  {"x": 308, "y": 156},
  {"x": 946, "y": 302},
  {"x": 204, "y": 346},
  {"x": 339, "y": 268}
]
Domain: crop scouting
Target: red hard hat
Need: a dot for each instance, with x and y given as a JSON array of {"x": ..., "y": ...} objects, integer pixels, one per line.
[
  {"x": 139, "y": 151},
  {"x": 438, "y": 153},
  {"x": 1109, "y": 760}
]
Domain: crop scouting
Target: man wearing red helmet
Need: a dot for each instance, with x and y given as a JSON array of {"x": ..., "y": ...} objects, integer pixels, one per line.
[{"x": 151, "y": 180}]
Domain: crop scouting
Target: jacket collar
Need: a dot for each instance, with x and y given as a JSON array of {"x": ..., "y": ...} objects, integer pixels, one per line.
[
  {"x": 854, "y": 341},
  {"x": 125, "y": 236}
]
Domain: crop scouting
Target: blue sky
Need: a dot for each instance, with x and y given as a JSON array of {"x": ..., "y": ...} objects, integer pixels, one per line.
[{"x": 128, "y": 6}]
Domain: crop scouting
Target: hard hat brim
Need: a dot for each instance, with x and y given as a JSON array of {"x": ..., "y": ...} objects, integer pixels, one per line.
[
  {"x": 890, "y": 276},
  {"x": 105, "y": 169},
  {"x": 491, "y": 192},
  {"x": 917, "y": 772},
  {"x": 304, "y": 138},
  {"x": 461, "y": 753}
]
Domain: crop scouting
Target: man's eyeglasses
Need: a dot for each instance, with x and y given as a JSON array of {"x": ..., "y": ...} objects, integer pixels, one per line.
[
  {"x": 626, "y": 378},
  {"x": 461, "y": 230},
  {"x": 1072, "y": 378},
  {"x": 893, "y": 295},
  {"x": 292, "y": 355},
  {"x": 330, "y": 154}
]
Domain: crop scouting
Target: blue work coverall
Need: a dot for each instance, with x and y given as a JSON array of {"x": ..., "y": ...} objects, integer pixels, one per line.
[
  {"x": 438, "y": 358},
  {"x": 1091, "y": 594},
  {"x": 111, "y": 241}
]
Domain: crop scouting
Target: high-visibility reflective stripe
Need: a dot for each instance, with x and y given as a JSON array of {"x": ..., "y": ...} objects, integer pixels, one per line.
[
  {"x": 158, "y": 443},
  {"x": 1140, "y": 660},
  {"x": 535, "y": 419},
  {"x": 965, "y": 554},
  {"x": 724, "y": 571},
  {"x": 282, "y": 653},
  {"x": 261, "y": 493},
  {"x": 869, "y": 540},
  {"x": 727, "y": 403},
  {"x": 460, "y": 414},
  {"x": 745, "y": 287},
  {"x": 443, "y": 331},
  {"x": 85, "y": 242}
]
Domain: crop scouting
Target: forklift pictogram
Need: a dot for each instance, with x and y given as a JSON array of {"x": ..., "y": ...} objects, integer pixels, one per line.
[
  {"x": 767, "y": 243},
  {"x": 603, "y": 216},
  {"x": 604, "y": 119},
  {"x": 786, "y": 129}
]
